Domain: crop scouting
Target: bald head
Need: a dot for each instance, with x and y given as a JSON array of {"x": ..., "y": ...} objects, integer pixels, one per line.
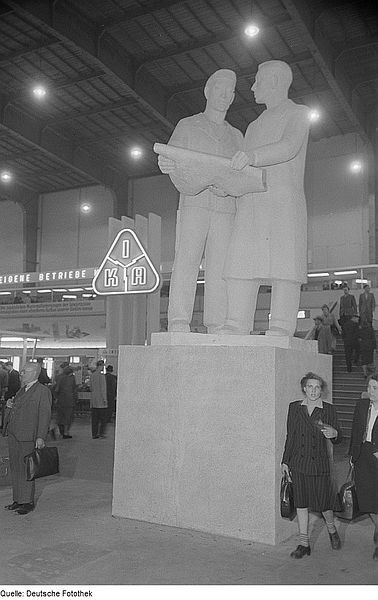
[{"x": 30, "y": 372}]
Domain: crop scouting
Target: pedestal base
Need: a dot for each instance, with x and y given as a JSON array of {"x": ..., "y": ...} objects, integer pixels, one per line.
[{"x": 200, "y": 433}]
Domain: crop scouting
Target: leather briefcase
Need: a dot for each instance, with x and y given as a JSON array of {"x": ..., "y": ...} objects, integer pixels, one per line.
[
  {"x": 348, "y": 498},
  {"x": 287, "y": 508},
  {"x": 41, "y": 463}
]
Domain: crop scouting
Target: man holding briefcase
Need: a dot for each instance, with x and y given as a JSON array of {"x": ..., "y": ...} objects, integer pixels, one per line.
[{"x": 27, "y": 421}]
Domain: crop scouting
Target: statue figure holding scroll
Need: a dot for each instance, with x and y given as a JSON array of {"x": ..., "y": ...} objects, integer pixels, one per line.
[
  {"x": 269, "y": 238},
  {"x": 206, "y": 214}
]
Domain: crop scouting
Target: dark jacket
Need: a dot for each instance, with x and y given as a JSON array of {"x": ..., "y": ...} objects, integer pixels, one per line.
[
  {"x": 359, "y": 426},
  {"x": 29, "y": 418},
  {"x": 14, "y": 384},
  {"x": 306, "y": 447},
  {"x": 65, "y": 389}
]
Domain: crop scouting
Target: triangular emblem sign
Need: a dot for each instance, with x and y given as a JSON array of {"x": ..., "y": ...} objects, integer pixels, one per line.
[{"x": 126, "y": 268}]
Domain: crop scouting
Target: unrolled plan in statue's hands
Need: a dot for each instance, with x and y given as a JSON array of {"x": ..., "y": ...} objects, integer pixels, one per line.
[{"x": 195, "y": 171}]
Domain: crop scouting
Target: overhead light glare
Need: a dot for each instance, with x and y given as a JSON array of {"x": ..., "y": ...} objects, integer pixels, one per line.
[
  {"x": 136, "y": 153},
  {"x": 5, "y": 293},
  {"x": 75, "y": 290},
  {"x": 362, "y": 281},
  {"x": 356, "y": 166},
  {"x": 344, "y": 272},
  {"x": 39, "y": 91},
  {"x": 87, "y": 295},
  {"x": 251, "y": 30},
  {"x": 6, "y": 176},
  {"x": 86, "y": 207},
  {"x": 314, "y": 115},
  {"x": 60, "y": 290},
  {"x": 317, "y": 274},
  {"x": 43, "y": 291},
  {"x": 26, "y": 291},
  {"x": 338, "y": 282},
  {"x": 69, "y": 296}
]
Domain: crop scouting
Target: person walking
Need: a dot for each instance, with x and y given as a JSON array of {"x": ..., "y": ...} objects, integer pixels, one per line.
[
  {"x": 350, "y": 333},
  {"x": 99, "y": 404},
  {"x": 329, "y": 319},
  {"x": 65, "y": 391},
  {"x": 366, "y": 305},
  {"x": 27, "y": 421},
  {"x": 348, "y": 306},
  {"x": 312, "y": 428},
  {"x": 364, "y": 454},
  {"x": 321, "y": 333},
  {"x": 368, "y": 344},
  {"x": 111, "y": 391}
]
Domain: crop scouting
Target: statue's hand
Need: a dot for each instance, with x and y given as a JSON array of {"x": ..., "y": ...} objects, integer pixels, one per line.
[
  {"x": 166, "y": 165},
  {"x": 239, "y": 161},
  {"x": 217, "y": 191}
]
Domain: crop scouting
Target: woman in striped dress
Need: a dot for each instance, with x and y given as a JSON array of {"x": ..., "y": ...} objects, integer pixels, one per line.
[{"x": 312, "y": 428}]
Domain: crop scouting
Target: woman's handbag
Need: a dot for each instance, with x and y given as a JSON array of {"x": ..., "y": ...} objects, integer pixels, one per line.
[
  {"x": 287, "y": 498},
  {"x": 348, "y": 498},
  {"x": 42, "y": 462}
]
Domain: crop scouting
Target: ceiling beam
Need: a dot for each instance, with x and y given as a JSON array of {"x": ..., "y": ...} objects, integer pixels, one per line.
[
  {"x": 209, "y": 40},
  {"x": 139, "y": 11},
  {"x": 240, "y": 74},
  {"x": 61, "y": 21},
  {"x": 26, "y": 50},
  {"x": 50, "y": 143},
  {"x": 58, "y": 122},
  {"x": 323, "y": 56}
]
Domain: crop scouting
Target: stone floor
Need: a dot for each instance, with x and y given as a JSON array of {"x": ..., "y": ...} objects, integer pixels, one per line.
[{"x": 71, "y": 537}]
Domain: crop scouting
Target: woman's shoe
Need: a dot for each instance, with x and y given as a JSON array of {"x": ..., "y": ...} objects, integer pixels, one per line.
[
  {"x": 13, "y": 506},
  {"x": 301, "y": 551},
  {"x": 335, "y": 540}
]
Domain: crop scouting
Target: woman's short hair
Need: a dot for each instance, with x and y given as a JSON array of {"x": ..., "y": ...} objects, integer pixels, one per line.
[
  {"x": 311, "y": 375},
  {"x": 373, "y": 376},
  {"x": 325, "y": 306}
]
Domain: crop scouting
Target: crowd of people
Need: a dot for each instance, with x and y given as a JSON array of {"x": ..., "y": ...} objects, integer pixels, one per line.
[{"x": 355, "y": 325}]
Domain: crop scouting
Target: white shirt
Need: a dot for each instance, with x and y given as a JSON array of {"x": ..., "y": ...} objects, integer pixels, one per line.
[
  {"x": 373, "y": 416},
  {"x": 28, "y": 385}
]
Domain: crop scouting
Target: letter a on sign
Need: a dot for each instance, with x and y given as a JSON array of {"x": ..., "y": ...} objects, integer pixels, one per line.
[{"x": 126, "y": 268}]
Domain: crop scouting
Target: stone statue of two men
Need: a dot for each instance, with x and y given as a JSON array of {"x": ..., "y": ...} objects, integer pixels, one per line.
[{"x": 259, "y": 237}]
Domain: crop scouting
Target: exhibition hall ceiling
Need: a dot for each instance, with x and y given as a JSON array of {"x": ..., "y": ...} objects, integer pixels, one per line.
[{"x": 84, "y": 82}]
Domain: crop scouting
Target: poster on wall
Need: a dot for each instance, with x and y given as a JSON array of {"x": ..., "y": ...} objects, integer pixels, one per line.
[{"x": 57, "y": 324}]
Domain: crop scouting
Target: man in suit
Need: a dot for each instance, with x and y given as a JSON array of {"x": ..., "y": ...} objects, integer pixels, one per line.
[
  {"x": 14, "y": 383},
  {"x": 366, "y": 305},
  {"x": 348, "y": 306},
  {"x": 111, "y": 391},
  {"x": 3, "y": 389},
  {"x": 99, "y": 403},
  {"x": 27, "y": 421}
]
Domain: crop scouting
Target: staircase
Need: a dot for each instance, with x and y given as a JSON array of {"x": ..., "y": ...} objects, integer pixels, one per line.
[{"x": 347, "y": 388}]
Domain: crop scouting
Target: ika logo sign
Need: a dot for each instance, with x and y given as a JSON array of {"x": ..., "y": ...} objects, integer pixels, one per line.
[{"x": 126, "y": 269}]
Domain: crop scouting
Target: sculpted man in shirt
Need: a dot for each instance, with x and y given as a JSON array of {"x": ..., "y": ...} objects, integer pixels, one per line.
[
  {"x": 204, "y": 219},
  {"x": 269, "y": 238}
]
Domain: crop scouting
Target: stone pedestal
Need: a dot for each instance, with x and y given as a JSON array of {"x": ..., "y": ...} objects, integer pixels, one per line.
[{"x": 200, "y": 434}]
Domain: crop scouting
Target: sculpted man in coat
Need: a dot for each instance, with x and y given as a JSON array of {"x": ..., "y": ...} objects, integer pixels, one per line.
[
  {"x": 204, "y": 219},
  {"x": 269, "y": 238},
  {"x": 27, "y": 421}
]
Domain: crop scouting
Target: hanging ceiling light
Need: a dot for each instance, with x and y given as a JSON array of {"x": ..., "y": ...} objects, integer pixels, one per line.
[
  {"x": 86, "y": 207},
  {"x": 314, "y": 115},
  {"x": 251, "y": 30},
  {"x": 356, "y": 166},
  {"x": 6, "y": 176},
  {"x": 39, "y": 91},
  {"x": 136, "y": 153}
]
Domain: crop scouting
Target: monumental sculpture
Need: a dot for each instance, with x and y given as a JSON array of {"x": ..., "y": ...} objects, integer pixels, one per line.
[
  {"x": 197, "y": 161},
  {"x": 204, "y": 220},
  {"x": 269, "y": 238}
]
